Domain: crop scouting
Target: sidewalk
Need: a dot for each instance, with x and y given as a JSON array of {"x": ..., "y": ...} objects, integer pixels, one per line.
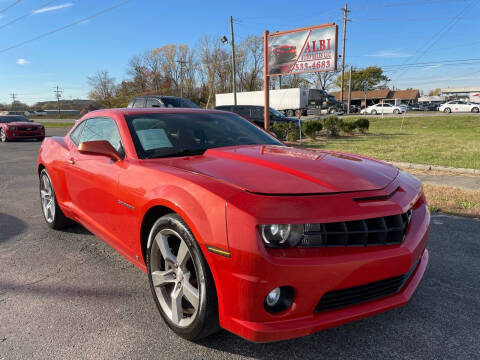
[{"x": 456, "y": 181}]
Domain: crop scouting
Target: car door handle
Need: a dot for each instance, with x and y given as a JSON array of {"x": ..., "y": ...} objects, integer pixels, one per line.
[{"x": 71, "y": 161}]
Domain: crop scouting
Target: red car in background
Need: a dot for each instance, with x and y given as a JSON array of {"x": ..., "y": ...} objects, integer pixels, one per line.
[
  {"x": 235, "y": 229},
  {"x": 17, "y": 127},
  {"x": 284, "y": 53}
]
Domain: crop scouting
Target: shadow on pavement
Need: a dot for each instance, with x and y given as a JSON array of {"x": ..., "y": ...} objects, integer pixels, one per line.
[{"x": 10, "y": 226}]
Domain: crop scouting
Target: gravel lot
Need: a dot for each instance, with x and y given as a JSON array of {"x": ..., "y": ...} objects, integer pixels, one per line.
[{"x": 67, "y": 295}]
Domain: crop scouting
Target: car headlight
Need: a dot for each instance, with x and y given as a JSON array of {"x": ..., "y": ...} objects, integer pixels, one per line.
[{"x": 281, "y": 235}]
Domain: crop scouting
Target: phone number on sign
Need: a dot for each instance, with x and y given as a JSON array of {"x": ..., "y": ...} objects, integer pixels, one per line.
[{"x": 305, "y": 66}]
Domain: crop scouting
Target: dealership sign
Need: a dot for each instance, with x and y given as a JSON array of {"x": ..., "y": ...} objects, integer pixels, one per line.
[{"x": 303, "y": 50}]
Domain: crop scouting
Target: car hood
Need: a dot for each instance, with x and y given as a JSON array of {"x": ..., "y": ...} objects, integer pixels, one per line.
[
  {"x": 23, "y": 123},
  {"x": 269, "y": 169}
]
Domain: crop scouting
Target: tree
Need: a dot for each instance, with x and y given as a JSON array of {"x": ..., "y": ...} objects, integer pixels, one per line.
[
  {"x": 250, "y": 63},
  {"x": 103, "y": 88},
  {"x": 324, "y": 80},
  {"x": 435, "y": 92},
  {"x": 372, "y": 77}
]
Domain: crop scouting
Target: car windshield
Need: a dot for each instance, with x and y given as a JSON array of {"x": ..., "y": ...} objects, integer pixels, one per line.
[
  {"x": 181, "y": 134},
  {"x": 10, "y": 118},
  {"x": 276, "y": 113},
  {"x": 179, "y": 103}
]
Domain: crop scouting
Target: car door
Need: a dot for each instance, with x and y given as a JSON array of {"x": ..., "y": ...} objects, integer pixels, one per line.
[
  {"x": 463, "y": 106},
  {"x": 387, "y": 109},
  {"x": 92, "y": 180}
]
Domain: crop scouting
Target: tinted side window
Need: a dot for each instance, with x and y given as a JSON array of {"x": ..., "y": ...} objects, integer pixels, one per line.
[
  {"x": 102, "y": 129},
  {"x": 243, "y": 111},
  {"x": 139, "y": 103},
  {"x": 257, "y": 113},
  {"x": 153, "y": 102},
  {"x": 75, "y": 135}
]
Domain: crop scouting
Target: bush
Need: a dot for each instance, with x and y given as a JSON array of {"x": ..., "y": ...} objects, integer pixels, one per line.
[
  {"x": 293, "y": 132},
  {"x": 286, "y": 131},
  {"x": 280, "y": 130},
  {"x": 349, "y": 127},
  {"x": 362, "y": 125},
  {"x": 333, "y": 125},
  {"x": 310, "y": 128}
]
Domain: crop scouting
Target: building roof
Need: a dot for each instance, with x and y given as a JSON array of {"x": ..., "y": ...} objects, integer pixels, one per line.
[
  {"x": 360, "y": 95},
  {"x": 408, "y": 94},
  {"x": 462, "y": 89}
]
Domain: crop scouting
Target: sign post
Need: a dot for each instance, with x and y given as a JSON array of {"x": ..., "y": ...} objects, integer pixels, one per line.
[{"x": 298, "y": 51}]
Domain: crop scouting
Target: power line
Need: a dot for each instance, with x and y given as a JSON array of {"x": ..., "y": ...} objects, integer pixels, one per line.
[
  {"x": 10, "y": 6},
  {"x": 27, "y": 14},
  {"x": 65, "y": 26}
]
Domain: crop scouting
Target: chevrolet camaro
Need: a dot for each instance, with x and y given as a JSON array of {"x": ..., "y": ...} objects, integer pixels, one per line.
[
  {"x": 16, "y": 127},
  {"x": 234, "y": 229}
]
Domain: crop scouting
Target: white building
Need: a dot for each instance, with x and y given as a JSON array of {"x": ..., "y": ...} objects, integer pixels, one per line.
[{"x": 465, "y": 93}]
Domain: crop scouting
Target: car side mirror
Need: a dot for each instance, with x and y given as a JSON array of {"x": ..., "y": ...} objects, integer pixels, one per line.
[{"x": 99, "y": 147}]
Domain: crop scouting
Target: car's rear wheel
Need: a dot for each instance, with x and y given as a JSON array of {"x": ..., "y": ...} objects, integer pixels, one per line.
[
  {"x": 3, "y": 136},
  {"x": 447, "y": 110},
  {"x": 290, "y": 112},
  {"x": 52, "y": 213},
  {"x": 475, "y": 110},
  {"x": 180, "y": 279},
  {"x": 396, "y": 111},
  {"x": 374, "y": 112}
]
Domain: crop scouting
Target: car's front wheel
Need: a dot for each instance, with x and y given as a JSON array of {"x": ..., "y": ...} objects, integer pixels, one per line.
[
  {"x": 475, "y": 110},
  {"x": 3, "y": 136},
  {"x": 182, "y": 285},
  {"x": 396, "y": 111},
  {"x": 447, "y": 110},
  {"x": 52, "y": 213},
  {"x": 373, "y": 112}
]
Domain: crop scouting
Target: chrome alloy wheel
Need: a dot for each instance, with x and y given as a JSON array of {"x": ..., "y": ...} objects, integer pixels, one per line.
[
  {"x": 48, "y": 198},
  {"x": 3, "y": 136},
  {"x": 174, "y": 277}
]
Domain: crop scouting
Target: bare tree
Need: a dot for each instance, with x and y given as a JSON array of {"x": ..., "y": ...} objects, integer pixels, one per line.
[
  {"x": 103, "y": 88},
  {"x": 324, "y": 80},
  {"x": 137, "y": 69},
  {"x": 250, "y": 63}
]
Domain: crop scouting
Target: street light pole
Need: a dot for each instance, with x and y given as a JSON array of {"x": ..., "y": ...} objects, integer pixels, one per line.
[{"x": 234, "y": 72}]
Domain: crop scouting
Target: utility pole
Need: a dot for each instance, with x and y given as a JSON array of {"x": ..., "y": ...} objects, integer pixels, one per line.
[
  {"x": 182, "y": 63},
  {"x": 13, "y": 96},
  {"x": 345, "y": 19},
  {"x": 234, "y": 68},
  {"x": 58, "y": 95},
  {"x": 349, "y": 90}
]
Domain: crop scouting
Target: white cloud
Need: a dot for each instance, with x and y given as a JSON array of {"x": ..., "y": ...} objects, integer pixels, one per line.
[
  {"x": 22, "y": 62},
  {"x": 52, "y": 8},
  {"x": 433, "y": 66},
  {"x": 390, "y": 54}
]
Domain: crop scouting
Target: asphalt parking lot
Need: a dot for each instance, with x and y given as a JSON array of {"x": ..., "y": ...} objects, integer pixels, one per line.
[{"x": 67, "y": 295}]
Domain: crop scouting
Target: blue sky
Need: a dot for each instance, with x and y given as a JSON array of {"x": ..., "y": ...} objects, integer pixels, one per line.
[{"x": 384, "y": 32}]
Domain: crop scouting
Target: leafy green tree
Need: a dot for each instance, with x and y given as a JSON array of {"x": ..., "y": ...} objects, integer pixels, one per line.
[{"x": 372, "y": 76}]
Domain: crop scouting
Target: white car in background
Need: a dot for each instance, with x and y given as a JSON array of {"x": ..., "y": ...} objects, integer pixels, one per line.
[
  {"x": 383, "y": 109},
  {"x": 459, "y": 106}
]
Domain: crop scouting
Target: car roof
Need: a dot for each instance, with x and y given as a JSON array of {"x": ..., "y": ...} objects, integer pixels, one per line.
[{"x": 136, "y": 111}]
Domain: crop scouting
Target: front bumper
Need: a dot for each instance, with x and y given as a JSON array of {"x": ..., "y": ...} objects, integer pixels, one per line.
[
  {"x": 245, "y": 279},
  {"x": 21, "y": 134}
]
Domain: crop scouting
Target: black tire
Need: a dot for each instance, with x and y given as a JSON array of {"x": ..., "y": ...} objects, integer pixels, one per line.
[
  {"x": 373, "y": 112},
  {"x": 59, "y": 220},
  {"x": 3, "y": 136},
  {"x": 396, "y": 111},
  {"x": 447, "y": 110},
  {"x": 331, "y": 111},
  {"x": 205, "y": 322},
  {"x": 475, "y": 110}
]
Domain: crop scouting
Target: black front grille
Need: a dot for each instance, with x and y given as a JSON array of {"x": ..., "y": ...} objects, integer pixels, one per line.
[
  {"x": 376, "y": 231},
  {"x": 359, "y": 294}
]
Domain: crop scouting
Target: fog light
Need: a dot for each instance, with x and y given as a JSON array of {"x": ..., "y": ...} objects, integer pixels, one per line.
[
  {"x": 273, "y": 297},
  {"x": 279, "y": 299}
]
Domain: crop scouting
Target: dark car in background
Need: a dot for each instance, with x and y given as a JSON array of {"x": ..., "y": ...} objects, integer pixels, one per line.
[
  {"x": 161, "y": 101},
  {"x": 254, "y": 113},
  {"x": 16, "y": 127}
]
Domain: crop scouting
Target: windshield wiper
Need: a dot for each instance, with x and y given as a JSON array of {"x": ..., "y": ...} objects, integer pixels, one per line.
[{"x": 182, "y": 152}]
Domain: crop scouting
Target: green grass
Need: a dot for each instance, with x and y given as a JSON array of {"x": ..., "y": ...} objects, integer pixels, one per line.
[
  {"x": 57, "y": 124},
  {"x": 452, "y": 140}
]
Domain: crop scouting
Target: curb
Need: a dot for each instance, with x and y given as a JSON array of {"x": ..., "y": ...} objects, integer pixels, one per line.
[{"x": 407, "y": 165}]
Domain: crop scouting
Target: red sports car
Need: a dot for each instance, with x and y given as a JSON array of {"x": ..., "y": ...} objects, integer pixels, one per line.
[
  {"x": 235, "y": 229},
  {"x": 16, "y": 127}
]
